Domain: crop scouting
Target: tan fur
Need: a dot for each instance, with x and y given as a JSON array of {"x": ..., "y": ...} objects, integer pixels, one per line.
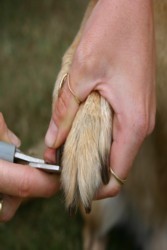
[
  {"x": 87, "y": 142},
  {"x": 144, "y": 194},
  {"x": 90, "y": 136}
]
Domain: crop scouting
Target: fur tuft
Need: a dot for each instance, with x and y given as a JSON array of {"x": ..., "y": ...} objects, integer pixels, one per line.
[{"x": 85, "y": 152}]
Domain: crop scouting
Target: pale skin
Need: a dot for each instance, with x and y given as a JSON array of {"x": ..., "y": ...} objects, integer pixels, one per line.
[
  {"x": 115, "y": 57},
  {"x": 18, "y": 182}
]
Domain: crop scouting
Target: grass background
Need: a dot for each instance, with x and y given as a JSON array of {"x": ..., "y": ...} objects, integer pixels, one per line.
[{"x": 34, "y": 36}]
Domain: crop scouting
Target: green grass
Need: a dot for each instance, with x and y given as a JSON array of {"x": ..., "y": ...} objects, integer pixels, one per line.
[
  {"x": 34, "y": 36},
  {"x": 42, "y": 224}
]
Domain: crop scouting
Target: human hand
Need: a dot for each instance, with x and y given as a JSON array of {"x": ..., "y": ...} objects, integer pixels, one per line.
[
  {"x": 115, "y": 57},
  {"x": 20, "y": 181}
]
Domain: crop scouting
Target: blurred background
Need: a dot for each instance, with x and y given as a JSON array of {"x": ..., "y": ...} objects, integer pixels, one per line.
[{"x": 34, "y": 34}]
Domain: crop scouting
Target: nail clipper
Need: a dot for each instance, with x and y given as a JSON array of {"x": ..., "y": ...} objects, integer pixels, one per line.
[{"x": 11, "y": 153}]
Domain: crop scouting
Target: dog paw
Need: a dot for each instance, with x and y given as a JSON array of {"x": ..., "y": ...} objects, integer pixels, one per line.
[{"x": 85, "y": 161}]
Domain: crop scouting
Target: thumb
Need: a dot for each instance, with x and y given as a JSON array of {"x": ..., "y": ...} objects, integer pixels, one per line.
[
  {"x": 10, "y": 206},
  {"x": 6, "y": 134},
  {"x": 64, "y": 111}
]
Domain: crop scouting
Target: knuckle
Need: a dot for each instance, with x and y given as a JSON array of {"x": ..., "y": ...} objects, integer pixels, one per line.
[
  {"x": 139, "y": 126},
  {"x": 24, "y": 189},
  {"x": 141, "y": 119},
  {"x": 84, "y": 59}
]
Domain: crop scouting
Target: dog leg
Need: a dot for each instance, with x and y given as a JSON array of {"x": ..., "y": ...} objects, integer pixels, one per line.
[
  {"x": 102, "y": 218},
  {"x": 158, "y": 240},
  {"x": 86, "y": 151}
]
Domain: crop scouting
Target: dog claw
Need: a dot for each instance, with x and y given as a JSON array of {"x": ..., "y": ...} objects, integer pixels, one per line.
[
  {"x": 88, "y": 209},
  {"x": 72, "y": 210},
  {"x": 59, "y": 154}
]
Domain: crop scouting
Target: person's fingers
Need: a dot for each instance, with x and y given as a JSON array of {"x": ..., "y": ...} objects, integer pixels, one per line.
[
  {"x": 50, "y": 155},
  {"x": 64, "y": 111},
  {"x": 127, "y": 140},
  {"x": 12, "y": 138},
  {"x": 24, "y": 181},
  {"x": 6, "y": 134},
  {"x": 109, "y": 190},
  {"x": 9, "y": 207}
]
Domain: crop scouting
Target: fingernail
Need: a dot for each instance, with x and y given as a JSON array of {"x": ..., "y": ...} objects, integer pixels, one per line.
[
  {"x": 14, "y": 139},
  {"x": 51, "y": 134}
]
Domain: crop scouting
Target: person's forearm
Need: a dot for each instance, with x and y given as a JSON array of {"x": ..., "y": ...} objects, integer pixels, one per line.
[{"x": 118, "y": 19}]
